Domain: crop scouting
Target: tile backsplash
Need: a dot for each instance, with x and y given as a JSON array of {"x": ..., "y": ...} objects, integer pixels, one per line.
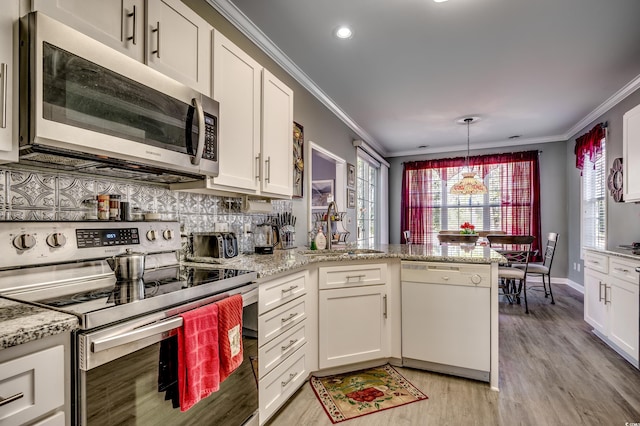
[{"x": 44, "y": 195}]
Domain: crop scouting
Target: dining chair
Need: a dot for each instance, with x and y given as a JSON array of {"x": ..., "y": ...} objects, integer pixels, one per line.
[
  {"x": 516, "y": 249},
  {"x": 544, "y": 269}
]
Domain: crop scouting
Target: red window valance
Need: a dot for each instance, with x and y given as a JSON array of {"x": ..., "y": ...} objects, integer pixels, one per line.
[{"x": 590, "y": 143}]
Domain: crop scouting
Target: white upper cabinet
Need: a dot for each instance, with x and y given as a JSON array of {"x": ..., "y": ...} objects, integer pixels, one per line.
[
  {"x": 165, "y": 34},
  {"x": 236, "y": 85},
  {"x": 631, "y": 154},
  {"x": 277, "y": 135},
  {"x": 8, "y": 83}
]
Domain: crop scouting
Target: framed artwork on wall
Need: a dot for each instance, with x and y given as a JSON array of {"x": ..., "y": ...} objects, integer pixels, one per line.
[
  {"x": 351, "y": 198},
  {"x": 321, "y": 193},
  {"x": 351, "y": 175},
  {"x": 298, "y": 160}
]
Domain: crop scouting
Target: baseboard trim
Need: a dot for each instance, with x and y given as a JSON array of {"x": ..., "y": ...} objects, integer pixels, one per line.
[{"x": 558, "y": 281}]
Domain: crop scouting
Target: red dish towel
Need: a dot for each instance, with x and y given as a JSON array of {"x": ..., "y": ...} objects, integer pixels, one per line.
[
  {"x": 230, "y": 334},
  {"x": 198, "y": 355}
]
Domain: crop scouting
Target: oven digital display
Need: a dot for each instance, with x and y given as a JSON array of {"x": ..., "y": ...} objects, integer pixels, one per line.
[{"x": 89, "y": 238}]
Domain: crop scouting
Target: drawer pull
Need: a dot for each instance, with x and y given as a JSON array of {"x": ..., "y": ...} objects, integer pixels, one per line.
[
  {"x": 621, "y": 270},
  {"x": 289, "y": 318},
  {"x": 291, "y": 288},
  {"x": 595, "y": 262},
  {"x": 291, "y": 343},
  {"x": 358, "y": 277},
  {"x": 446, "y": 278},
  {"x": 291, "y": 377},
  {"x": 600, "y": 284},
  {"x": 5, "y": 401}
]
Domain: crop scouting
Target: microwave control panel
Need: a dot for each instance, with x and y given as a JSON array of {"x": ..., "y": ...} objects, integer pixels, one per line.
[{"x": 210, "y": 138}]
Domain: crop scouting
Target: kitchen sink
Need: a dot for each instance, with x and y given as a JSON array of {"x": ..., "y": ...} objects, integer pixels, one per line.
[{"x": 341, "y": 252}]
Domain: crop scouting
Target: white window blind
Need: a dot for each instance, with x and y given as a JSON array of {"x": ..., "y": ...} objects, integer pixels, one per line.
[{"x": 594, "y": 214}]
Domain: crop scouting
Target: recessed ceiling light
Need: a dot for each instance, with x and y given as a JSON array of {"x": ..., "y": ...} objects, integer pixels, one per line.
[
  {"x": 343, "y": 32},
  {"x": 439, "y": 1}
]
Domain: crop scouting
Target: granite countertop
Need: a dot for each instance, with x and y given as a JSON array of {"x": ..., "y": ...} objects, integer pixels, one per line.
[
  {"x": 21, "y": 323},
  {"x": 286, "y": 260},
  {"x": 618, "y": 251}
]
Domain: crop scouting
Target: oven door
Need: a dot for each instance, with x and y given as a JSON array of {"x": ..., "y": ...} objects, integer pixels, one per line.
[{"x": 119, "y": 373}]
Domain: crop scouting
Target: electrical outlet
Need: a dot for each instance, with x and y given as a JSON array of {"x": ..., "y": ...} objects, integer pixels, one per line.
[
  {"x": 575, "y": 268},
  {"x": 247, "y": 228},
  {"x": 578, "y": 267},
  {"x": 220, "y": 227}
]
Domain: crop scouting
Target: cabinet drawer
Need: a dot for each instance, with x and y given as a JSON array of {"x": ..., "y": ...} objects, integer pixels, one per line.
[
  {"x": 279, "y": 291},
  {"x": 275, "y": 388},
  {"x": 447, "y": 273},
  {"x": 596, "y": 261},
  {"x": 272, "y": 324},
  {"x": 352, "y": 275},
  {"x": 36, "y": 381},
  {"x": 277, "y": 350},
  {"x": 623, "y": 269}
]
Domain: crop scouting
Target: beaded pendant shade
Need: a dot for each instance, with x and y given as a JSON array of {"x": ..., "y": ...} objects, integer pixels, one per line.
[{"x": 468, "y": 185}]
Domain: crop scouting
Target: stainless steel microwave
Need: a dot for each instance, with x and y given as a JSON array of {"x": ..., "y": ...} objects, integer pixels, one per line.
[{"x": 83, "y": 102}]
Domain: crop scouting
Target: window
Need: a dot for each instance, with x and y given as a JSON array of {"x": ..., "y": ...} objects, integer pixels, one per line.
[
  {"x": 511, "y": 203},
  {"x": 594, "y": 214},
  {"x": 367, "y": 201}
]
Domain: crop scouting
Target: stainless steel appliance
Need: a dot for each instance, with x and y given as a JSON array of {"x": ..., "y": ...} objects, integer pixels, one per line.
[
  {"x": 265, "y": 238},
  {"x": 85, "y": 106},
  {"x": 220, "y": 245},
  {"x": 127, "y": 329}
]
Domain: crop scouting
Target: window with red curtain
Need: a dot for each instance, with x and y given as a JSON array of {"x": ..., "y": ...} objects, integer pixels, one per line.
[{"x": 511, "y": 204}]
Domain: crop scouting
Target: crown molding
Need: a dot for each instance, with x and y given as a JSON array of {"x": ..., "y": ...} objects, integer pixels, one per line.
[{"x": 238, "y": 19}]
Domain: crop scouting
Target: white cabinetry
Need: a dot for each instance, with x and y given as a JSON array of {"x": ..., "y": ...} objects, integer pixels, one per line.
[
  {"x": 612, "y": 297},
  {"x": 631, "y": 154},
  {"x": 9, "y": 13},
  {"x": 32, "y": 382},
  {"x": 283, "y": 335},
  {"x": 353, "y": 314},
  {"x": 165, "y": 34},
  {"x": 446, "y": 318}
]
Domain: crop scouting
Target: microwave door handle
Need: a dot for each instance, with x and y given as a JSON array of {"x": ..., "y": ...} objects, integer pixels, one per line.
[{"x": 201, "y": 131}]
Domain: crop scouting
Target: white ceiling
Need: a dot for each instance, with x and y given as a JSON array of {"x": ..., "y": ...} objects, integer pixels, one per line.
[{"x": 540, "y": 69}]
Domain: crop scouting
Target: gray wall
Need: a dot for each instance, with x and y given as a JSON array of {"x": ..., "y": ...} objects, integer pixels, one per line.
[
  {"x": 320, "y": 125},
  {"x": 553, "y": 159},
  {"x": 323, "y": 169},
  {"x": 623, "y": 219}
]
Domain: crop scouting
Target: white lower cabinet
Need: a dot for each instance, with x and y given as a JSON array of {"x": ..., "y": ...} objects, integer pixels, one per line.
[
  {"x": 611, "y": 302},
  {"x": 283, "y": 334}
]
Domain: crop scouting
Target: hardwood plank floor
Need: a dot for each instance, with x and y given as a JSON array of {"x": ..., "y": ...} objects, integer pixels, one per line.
[{"x": 553, "y": 371}]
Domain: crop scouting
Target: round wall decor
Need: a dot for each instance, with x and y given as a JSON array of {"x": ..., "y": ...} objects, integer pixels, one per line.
[{"x": 614, "y": 182}]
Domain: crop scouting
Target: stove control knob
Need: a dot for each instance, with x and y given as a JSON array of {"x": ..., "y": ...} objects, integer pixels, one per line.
[
  {"x": 167, "y": 234},
  {"x": 57, "y": 239},
  {"x": 151, "y": 235},
  {"x": 476, "y": 279},
  {"x": 24, "y": 241}
]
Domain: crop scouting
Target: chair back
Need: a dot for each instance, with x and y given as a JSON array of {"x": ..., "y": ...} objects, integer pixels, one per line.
[
  {"x": 550, "y": 249},
  {"x": 515, "y": 248}
]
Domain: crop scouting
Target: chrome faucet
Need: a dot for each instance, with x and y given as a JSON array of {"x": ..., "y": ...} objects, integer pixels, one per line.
[{"x": 329, "y": 230}]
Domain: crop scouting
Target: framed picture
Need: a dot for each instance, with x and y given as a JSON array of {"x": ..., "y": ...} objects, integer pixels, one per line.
[
  {"x": 351, "y": 175},
  {"x": 351, "y": 198},
  {"x": 298, "y": 160},
  {"x": 321, "y": 193}
]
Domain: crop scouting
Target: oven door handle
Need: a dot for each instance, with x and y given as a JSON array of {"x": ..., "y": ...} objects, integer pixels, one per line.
[
  {"x": 135, "y": 335},
  {"x": 164, "y": 326}
]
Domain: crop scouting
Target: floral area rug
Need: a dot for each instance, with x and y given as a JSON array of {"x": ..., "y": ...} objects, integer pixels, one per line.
[{"x": 350, "y": 395}]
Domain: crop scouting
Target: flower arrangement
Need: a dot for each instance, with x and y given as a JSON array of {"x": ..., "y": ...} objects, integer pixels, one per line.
[{"x": 467, "y": 228}]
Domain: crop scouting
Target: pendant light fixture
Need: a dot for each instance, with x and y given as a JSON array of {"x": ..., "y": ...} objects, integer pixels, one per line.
[{"x": 469, "y": 185}]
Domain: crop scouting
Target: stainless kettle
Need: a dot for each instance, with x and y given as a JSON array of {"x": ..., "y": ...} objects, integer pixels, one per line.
[{"x": 127, "y": 266}]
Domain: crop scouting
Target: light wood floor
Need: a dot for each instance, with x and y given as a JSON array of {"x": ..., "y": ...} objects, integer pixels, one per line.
[{"x": 553, "y": 371}]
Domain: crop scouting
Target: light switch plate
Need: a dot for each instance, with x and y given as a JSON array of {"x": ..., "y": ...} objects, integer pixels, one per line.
[{"x": 220, "y": 227}]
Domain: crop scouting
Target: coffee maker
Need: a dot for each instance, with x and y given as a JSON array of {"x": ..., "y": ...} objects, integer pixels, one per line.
[{"x": 265, "y": 238}]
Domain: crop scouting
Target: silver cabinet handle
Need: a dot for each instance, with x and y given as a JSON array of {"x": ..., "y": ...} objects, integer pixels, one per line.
[
  {"x": 134, "y": 32},
  {"x": 5, "y": 78},
  {"x": 600, "y": 284},
  {"x": 258, "y": 167},
  {"x": 195, "y": 160},
  {"x": 621, "y": 270},
  {"x": 289, "y": 318},
  {"x": 157, "y": 31},
  {"x": 605, "y": 294},
  {"x": 5, "y": 401},
  {"x": 291, "y": 377},
  {"x": 291, "y": 288},
  {"x": 291, "y": 343},
  {"x": 384, "y": 306},
  {"x": 358, "y": 277},
  {"x": 267, "y": 164}
]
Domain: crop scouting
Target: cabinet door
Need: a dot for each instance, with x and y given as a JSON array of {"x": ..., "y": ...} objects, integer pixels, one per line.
[
  {"x": 623, "y": 315},
  {"x": 8, "y": 81},
  {"x": 631, "y": 154},
  {"x": 595, "y": 310},
  {"x": 353, "y": 325},
  {"x": 179, "y": 43},
  {"x": 118, "y": 24},
  {"x": 277, "y": 136}
]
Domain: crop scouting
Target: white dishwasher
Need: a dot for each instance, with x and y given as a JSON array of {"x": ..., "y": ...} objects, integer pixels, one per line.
[{"x": 446, "y": 318}]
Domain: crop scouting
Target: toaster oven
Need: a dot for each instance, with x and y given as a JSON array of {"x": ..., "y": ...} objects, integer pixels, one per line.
[{"x": 220, "y": 245}]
